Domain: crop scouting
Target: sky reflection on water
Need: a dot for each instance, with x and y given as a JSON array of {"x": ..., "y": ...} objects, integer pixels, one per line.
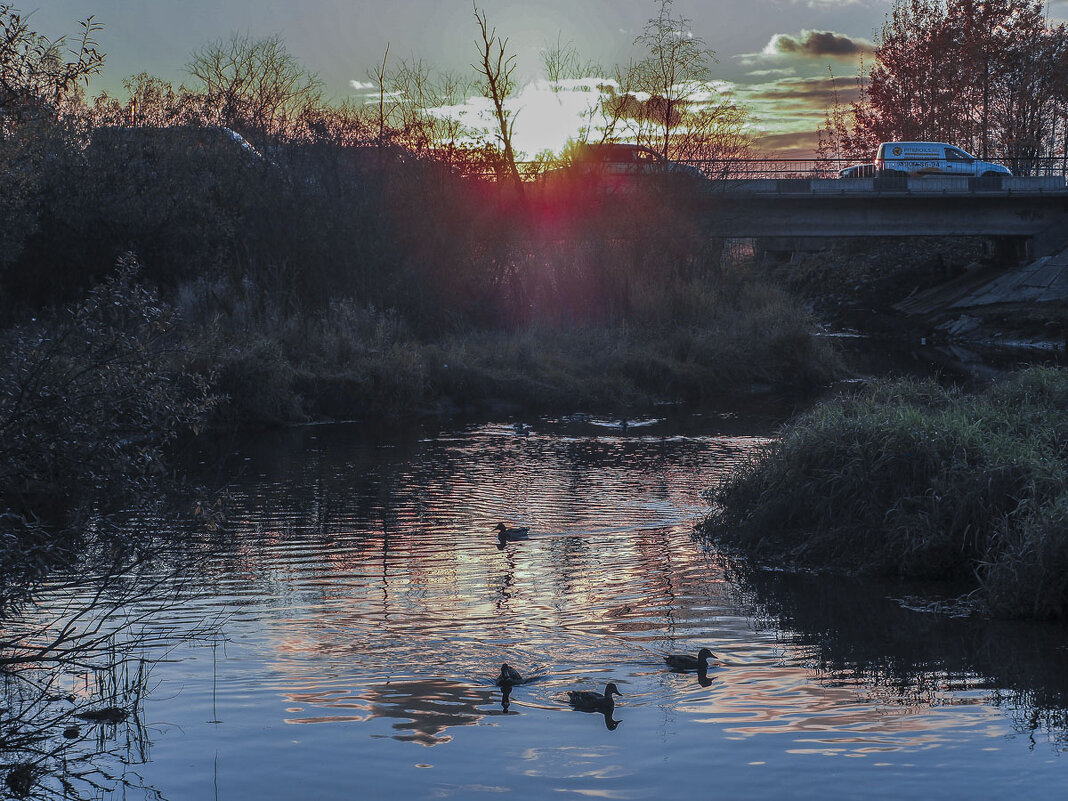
[{"x": 368, "y": 610}]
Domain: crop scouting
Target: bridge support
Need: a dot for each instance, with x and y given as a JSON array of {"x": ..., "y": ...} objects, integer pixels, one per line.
[{"x": 1010, "y": 251}]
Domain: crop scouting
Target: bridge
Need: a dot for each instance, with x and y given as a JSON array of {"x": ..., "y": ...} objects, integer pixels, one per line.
[
  {"x": 792, "y": 199},
  {"x": 1032, "y": 208}
]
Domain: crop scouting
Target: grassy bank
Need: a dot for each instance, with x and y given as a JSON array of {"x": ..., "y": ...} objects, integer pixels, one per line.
[
  {"x": 910, "y": 479},
  {"x": 352, "y": 281},
  {"x": 703, "y": 340}
]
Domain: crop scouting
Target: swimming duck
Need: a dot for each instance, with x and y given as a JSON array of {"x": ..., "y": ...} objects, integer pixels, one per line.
[
  {"x": 505, "y": 534},
  {"x": 590, "y": 701},
  {"x": 509, "y": 676},
  {"x": 687, "y": 662}
]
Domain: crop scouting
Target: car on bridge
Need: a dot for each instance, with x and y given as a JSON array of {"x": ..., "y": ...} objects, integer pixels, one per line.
[
  {"x": 858, "y": 171},
  {"x": 931, "y": 158},
  {"x": 923, "y": 158},
  {"x": 612, "y": 168}
]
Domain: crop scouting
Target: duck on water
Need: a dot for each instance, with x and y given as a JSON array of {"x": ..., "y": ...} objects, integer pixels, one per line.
[
  {"x": 509, "y": 676},
  {"x": 684, "y": 662},
  {"x": 505, "y": 534},
  {"x": 591, "y": 701}
]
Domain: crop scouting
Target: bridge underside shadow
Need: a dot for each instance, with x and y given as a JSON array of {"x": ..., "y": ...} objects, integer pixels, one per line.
[{"x": 1042, "y": 220}]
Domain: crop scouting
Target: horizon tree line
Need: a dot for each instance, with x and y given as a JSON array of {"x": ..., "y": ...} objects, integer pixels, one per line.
[
  {"x": 990, "y": 76},
  {"x": 257, "y": 88}
]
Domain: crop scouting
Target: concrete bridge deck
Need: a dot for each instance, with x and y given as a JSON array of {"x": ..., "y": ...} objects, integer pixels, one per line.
[
  {"x": 1035, "y": 209},
  {"x": 904, "y": 185}
]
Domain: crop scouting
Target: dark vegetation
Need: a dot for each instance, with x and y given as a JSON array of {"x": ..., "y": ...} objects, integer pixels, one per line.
[
  {"x": 855, "y": 283},
  {"x": 911, "y": 479}
]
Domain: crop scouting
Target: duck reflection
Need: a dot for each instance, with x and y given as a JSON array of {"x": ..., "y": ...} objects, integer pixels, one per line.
[
  {"x": 428, "y": 707},
  {"x": 610, "y": 722}
]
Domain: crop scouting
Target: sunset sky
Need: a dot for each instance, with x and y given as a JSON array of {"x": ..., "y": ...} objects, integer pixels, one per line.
[{"x": 775, "y": 55}]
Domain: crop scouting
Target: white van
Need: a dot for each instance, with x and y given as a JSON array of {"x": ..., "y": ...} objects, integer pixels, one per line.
[{"x": 931, "y": 158}]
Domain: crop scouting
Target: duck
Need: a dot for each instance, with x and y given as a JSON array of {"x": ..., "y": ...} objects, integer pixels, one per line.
[
  {"x": 686, "y": 662},
  {"x": 509, "y": 676},
  {"x": 505, "y": 534},
  {"x": 522, "y": 430},
  {"x": 590, "y": 701}
]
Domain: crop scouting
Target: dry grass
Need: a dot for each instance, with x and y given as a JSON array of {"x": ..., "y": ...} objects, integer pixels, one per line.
[
  {"x": 907, "y": 478},
  {"x": 350, "y": 361}
]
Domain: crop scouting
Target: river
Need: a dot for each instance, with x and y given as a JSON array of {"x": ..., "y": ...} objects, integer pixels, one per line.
[{"x": 354, "y": 609}]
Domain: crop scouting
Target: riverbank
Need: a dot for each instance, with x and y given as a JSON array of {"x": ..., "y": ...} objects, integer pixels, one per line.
[
  {"x": 930, "y": 292},
  {"x": 725, "y": 338},
  {"x": 910, "y": 479}
]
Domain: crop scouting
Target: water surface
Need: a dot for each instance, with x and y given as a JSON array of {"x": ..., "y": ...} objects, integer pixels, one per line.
[{"x": 362, "y": 610}]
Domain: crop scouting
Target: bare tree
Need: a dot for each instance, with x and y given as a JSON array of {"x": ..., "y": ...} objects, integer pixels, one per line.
[
  {"x": 417, "y": 93},
  {"x": 34, "y": 75},
  {"x": 667, "y": 101},
  {"x": 983, "y": 74},
  {"x": 255, "y": 85},
  {"x": 497, "y": 69},
  {"x": 385, "y": 109},
  {"x": 562, "y": 62},
  {"x": 152, "y": 102},
  {"x": 672, "y": 74}
]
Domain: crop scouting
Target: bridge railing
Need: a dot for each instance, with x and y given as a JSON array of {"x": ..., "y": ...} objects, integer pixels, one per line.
[
  {"x": 780, "y": 168},
  {"x": 753, "y": 168},
  {"x": 830, "y": 168}
]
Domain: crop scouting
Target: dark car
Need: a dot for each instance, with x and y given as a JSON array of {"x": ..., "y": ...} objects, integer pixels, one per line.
[
  {"x": 611, "y": 168},
  {"x": 858, "y": 171},
  {"x": 620, "y": 159}
]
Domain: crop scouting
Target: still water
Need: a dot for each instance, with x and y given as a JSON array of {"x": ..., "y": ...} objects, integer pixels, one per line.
[{"x": 360, "y": 610}]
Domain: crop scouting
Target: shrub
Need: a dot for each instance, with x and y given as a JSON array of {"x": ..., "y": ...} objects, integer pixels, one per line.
[
  {"x": 907, "y": 478},
  {"x": 89, "y": 397}
]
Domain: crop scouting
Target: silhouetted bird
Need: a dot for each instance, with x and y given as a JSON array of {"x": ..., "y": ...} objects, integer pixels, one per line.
[
  {"x": 590, "y": 701},
  {"x": 509, "y": 676},
  {"x": 505, "y": 534},
  {"x": 682, "y": 662}
]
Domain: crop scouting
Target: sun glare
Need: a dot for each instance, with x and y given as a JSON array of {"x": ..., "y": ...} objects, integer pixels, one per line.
[{"x": 548, "y": 115}]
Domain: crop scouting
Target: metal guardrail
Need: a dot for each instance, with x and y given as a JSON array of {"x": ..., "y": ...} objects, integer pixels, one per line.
[
  {"x": 778, "y": 168},
  {"x": 926, "y": 185},
  {"x": 830, "y": 168}
]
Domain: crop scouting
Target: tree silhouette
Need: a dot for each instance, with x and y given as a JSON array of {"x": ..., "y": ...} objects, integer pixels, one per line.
[{"x": 497, "y": 68}]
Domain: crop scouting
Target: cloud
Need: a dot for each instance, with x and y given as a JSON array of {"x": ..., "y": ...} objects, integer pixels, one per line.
[
  {"x": 798, "y": 144},
  {"x": 818, "y": 44},
  {"x": 775, "y": 72},
  {"x": 814, "y": 92},
  {"x": 362, "y": 85},
  {"x": 787, "y": 112}
]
